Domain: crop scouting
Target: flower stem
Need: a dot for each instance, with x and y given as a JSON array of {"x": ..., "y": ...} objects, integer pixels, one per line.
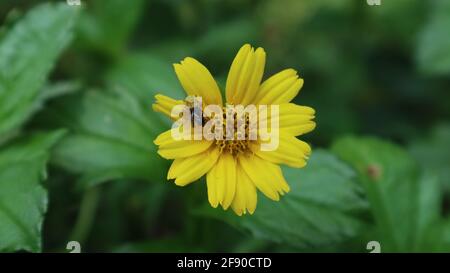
[{"x": 88, "y": 209}]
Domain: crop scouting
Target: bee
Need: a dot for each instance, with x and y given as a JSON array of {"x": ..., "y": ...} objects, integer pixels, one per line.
[
  {"x": 197, "y": 116},
  {"x": 195, "y": 111}
]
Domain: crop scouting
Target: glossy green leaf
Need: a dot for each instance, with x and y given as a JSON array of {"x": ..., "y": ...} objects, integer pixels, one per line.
[
  {"x": 23, "y": 200},
  {"x": 28, "y": 53},
  {"x": 111, "y": 137},
  {"x": 404, "y": 202},
  {"x": 144, "y": 76},
  {"x": 321, "y": 208}
]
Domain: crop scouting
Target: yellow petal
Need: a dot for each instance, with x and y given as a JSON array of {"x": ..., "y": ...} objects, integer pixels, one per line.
[
  {"x": 293, "y": 119},
  {"x": 235, "y": 70},
  {"x": 266, "y": 176},
  {"x": 245, "y": 75},
  {"x": 165, "y": 105},
  {"x": 291, "y": 151},
  {"x": 280, "y": 88},
  {"x": 170, "y": 148},
  {"x": 245, "y": 198},
  {"x": 221, "y": 181},
  {"x": 190, "y": 169},
  {"x": 296, "y": 119},
  {"x": 198, "y": 81},
  {"x": 212, "y": 186}
]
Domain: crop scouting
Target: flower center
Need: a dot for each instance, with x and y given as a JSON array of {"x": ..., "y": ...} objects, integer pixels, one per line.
[
  {"x": 234, "y": 147},
  {"x": 236, "y": 139},
  {"x": 236, "y": 129}
]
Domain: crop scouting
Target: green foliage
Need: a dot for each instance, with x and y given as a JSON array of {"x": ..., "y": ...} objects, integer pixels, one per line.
[
  {"x": 320, "y": 209},
  {"x": 404, "y": 203},
  {"x": 380, "y": 71},
  {"x": 433, "y": 50},
  {"x": 144, "y": 76},
  {"x": 433, "y": 153},
  {"x": 23, "y": 200},
  {"x": 108, "y": 24},
  {"x": 111, "y": 138},
  {"x": 28, "y": 52}
]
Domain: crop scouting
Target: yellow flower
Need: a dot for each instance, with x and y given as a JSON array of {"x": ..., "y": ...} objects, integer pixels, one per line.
[{"x": 235, "y": 169}]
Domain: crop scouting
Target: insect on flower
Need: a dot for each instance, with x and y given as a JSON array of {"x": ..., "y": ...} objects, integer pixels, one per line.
[{"x": 237, "y": 166}]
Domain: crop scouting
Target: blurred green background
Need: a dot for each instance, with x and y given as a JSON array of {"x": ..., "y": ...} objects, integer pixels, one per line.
[{"x": 77, "y": 159}]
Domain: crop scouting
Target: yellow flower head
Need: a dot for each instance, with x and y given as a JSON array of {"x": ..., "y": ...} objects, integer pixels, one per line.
[{"x": 236, "y": 168}]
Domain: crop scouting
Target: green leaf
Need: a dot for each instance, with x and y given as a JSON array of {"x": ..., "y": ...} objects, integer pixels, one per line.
[
  {"x": 28, "y": 53},
  {"x": 112, "y": 137},
  {"x": 433, "y": 50},
  {"x": 54, "y": 90},
  {"x": 433, "y": 153},
  {"x": 23, "y": 201},
  {"x": 439, "y": 236},
  {"x": 107, "y": 24},
  {"x": 319, "y": 210},
  {"x": 144, "y": 75},
  {"x": 404, "y": 202}
]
